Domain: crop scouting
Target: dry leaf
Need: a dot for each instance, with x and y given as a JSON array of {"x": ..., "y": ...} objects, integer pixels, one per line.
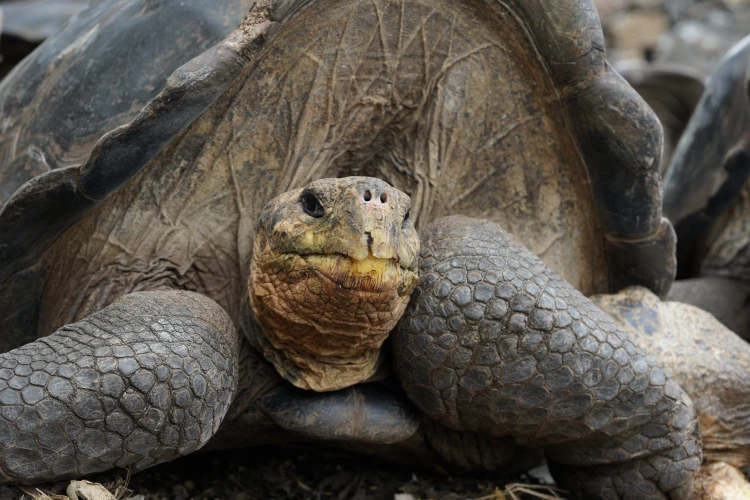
[{"x": 86, "y": 490}]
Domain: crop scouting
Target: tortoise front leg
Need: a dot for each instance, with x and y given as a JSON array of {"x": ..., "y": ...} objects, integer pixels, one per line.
[
  {"x": 143, "y": 381},
  {"x": 494, "y": 342}
]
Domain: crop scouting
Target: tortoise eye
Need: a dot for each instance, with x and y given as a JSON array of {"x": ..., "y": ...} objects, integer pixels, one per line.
[
  {"x": 311, "y": 204},
  {"x": 406, "y": 218}
]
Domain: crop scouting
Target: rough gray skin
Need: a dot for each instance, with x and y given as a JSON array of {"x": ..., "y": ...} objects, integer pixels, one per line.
[
  {"x": 494, "y": 342},
  {"x": 143, "y": 381}
]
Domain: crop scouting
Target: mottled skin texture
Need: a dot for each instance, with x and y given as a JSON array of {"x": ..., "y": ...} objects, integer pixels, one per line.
[
  {"x": 711, "y": 363},
  {"x": 494, "y": 342},
  {"x": 143, "y": 381},
  {"x": 333, "y": 267}
]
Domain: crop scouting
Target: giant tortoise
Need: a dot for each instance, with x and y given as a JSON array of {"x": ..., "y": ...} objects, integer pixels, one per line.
[
  {"x": 149, "y": 309},
  {"x": 706, "y": 193}
]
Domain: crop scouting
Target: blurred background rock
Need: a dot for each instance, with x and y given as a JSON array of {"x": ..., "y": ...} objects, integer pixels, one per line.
[
  {"x": 692, "y": 32},
  {"x": 24, "y": 24}
]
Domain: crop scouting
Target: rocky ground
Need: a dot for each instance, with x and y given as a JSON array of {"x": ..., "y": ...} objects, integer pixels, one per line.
[{"x": 689, "y": 31}]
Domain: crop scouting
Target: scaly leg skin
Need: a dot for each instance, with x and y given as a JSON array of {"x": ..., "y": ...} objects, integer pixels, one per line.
[
  {"x": 471, "y": 450},
  {"x": 143, "y": 381},
  {"x": 495, "y": 342}
]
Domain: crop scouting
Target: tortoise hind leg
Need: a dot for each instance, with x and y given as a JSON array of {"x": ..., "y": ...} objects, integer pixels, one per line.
[{"x": 143, "y": 381}]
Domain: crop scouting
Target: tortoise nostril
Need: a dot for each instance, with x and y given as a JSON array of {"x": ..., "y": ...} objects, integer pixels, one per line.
[
  {"x": 383, "y": 198},
  {"x": 368, "y": 196}
]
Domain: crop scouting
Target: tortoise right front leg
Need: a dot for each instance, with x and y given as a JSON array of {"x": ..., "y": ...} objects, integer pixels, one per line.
[
  {"x": 143, "y": 381},
  {"x": 494, "y": 342}
]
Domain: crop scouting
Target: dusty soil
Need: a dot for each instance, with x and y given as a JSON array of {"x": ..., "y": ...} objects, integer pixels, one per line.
[{"x": 296, "y": 473}]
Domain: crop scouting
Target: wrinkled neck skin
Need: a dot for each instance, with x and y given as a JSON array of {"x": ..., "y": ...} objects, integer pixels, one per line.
[{"x": 320, "y": 335}]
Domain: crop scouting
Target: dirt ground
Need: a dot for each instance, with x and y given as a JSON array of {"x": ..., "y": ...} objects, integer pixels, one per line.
[{"x": 298, "y": 473}]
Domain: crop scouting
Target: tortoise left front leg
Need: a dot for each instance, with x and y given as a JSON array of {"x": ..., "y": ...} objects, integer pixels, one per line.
[
  {"x": 143, "y": 381},
  {"x": 496, "y": 343}
]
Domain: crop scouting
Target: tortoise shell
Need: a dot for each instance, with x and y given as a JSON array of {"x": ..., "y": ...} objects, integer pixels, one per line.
[{"x": 506, "y": 111}]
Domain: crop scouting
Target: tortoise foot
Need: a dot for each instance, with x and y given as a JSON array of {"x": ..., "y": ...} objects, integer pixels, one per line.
[
  {"x": 710, "y": 362},
  {"x": 652, "y": 478}
]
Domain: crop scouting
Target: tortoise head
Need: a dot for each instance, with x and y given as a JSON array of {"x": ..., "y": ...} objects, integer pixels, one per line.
[{"x": 332, "y": 270}]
